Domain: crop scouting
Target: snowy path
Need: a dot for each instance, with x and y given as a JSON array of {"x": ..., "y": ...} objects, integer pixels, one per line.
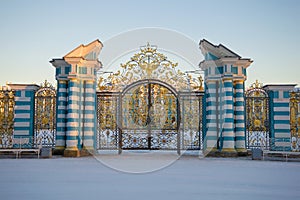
[{"x": 188, "y": 178}]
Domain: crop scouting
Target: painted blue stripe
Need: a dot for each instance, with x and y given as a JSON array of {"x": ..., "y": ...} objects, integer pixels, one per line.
[
  {"x": 239, "y": 86},
  {"x": 228, "y": 102},
  {"x": 239, "y": 112},
  {"x": 22, "y": 120},
  {"x": 238, "y": 94},
  {"x": 22, "y": 103},
  {"x": 88, "y": 128},
  {"x": 239, "y": 121},
  {"x": 61, "y": 129},
  {"x": 281, "y": 113},
  {"x": 211, "y": 138},
  {"x": 280, "y": 130},
  {"x": 228, "y": 120},
  {"x": 17, "y": 111},
  {"x": 227, "y": 138},
  {"x": 228, "y": 84},
  {"x": 281, "y": 104},
  {"x": 228, "y": 111},
  {"x": 239, "y": 103},
  {"x": 240, "y": 138},
  {"x": 60, "y": 137},
  {"x": 281, "y": 121},
  {"x": 24, "y": 128},
  {"x": 211, "y": 112},
  {"x": 68, "y": 137},
  {"x": 239, "y": 129}
]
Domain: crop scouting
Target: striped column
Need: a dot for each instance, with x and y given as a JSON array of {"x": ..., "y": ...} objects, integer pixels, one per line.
[
  {"x": 228, "y": 137},
  {"x": 239, "y": 116},
  {"x": 72, "y": 119},
  {"x": 211, "y": 134},
  {"x": 61, "y": 116},
  {"x": 89, "y": 126},
  {"x": 24, "y": 109},
  {"x": 280, "y": 116}
]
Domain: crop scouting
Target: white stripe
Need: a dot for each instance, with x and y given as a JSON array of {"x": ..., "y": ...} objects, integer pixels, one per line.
[
  {"x": 88, "y": 143},
  {"x": 74, "y": 98},
  {"x": 60, "y": 133},
  {"x": 89, "y": 90},
  {"x": 281, "y": 100},
  {"x": 89, "y": 107},
  {"x": 282, "y": 144},
  {"x": 60, "y": 107},
  {"x": 281, "y": 108},
  {"x": 281, "y": 117},
  {"x": 61, "y": 124},
  {"x": 71, "y": 143},
  {"x": 21, "y": 124},
  {"x": 21, "y": 132},
  {"x": 240, "y": 125},
  {"x": 17, "y": 107},
  {"x": 282, "y": 135},
  {"x": 239, "y": 91},
  {"x": 240, "y": 99},
  {"x": 89, "y": 124},
  {"x": 239, "y": 108},
  {"x": 239, "y": 133},
  {"x": 62, "y": 90},
  {"x": 61, "y": 116},
  {"x": 282, "y": 126},
  {"x": 72, "y": 133},
  {"x": 89, "y": 116},
  {"x": 228, "y": 89},
  {"x": 74, "y": 89},
  {"x": 22, "y": 115},
  {"x": 62, "y": 99},
  {"x": 88, "y": 133},
  {"x": 239, "y": 116},
  {"x": 23, "y": 99},
  {"x": 73, "y": 106},
  {"x": 228, "y": 144},
  {"x": 90, "y": 99}
]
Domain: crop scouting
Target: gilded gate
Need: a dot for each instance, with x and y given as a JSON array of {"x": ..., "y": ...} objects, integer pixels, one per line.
[
  {"x": 45, "y": 115},
  {"x": 7, "y": 104},
  {"x": 150, "y": 104},
  {"x": 257, "y": 117},
  {"x": 295, "y": 120}
]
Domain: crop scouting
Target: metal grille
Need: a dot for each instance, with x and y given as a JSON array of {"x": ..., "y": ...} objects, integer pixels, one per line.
[
  {"x": 7, "y": 104},
  {"x": 45, "y": 115},
  {"x": 295, "y": 120},
  {"x": 257, "y": 117}
]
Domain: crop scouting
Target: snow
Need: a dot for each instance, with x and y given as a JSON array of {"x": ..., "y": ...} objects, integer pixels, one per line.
[{"x": 148, "y": 175}]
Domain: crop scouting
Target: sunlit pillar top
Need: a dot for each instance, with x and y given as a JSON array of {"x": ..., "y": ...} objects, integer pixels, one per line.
[{"x": 221, "y": 62}]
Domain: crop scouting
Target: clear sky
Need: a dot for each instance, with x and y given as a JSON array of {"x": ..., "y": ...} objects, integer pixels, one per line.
[{"x": 34, "y": 32}]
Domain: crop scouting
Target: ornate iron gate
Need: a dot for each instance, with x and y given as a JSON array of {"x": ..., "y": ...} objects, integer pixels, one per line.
[
  {"x": 149, "y": 117},
  {"x": 149, "y": 105},
  {"x": 45, "y": 115},
  {"x": 295, "y": 120},
  {"x": 7, "y": 103},
  {"x": 257, "y": 117}
]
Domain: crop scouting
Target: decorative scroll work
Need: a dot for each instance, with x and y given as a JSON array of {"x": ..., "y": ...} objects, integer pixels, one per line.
[
  {"x": 257, "y": 117},
  {"x": 45, "y": 111},
  {"x": 149, "y": 104},
  {"x": 7, "y": 104},
  {"x": 295, "y": 120},
  {"x": 149, "y": 64}
]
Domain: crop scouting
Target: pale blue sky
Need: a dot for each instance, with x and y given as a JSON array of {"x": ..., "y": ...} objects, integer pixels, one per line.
[{"x": 34, "y": 32}]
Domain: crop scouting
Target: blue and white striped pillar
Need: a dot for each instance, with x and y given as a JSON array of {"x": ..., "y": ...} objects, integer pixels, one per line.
[
  {"x": 24, "y": 110},
  {"x": 227, "y": 122},
  {"x": 76, "y": 101},
  {"x": 239, "y": 116},
  {"x": 210, "y": 109},
  {"x": 280, "y": 132},
  {"x": 225, "y": 101}
]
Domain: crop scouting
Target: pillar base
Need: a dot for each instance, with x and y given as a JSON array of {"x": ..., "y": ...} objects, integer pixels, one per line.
[
  {"x": 59, "y": 150},
  {"x": 228, "y": 152},
  {"x": 211, "y": 152},
  {"x": 71, "y": 152},
  {"x": 242, "y": 152},
  {"x": 87, "y": 151}
]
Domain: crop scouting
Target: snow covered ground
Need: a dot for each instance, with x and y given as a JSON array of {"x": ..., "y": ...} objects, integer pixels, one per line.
[{"x": 188, "y": 178}]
